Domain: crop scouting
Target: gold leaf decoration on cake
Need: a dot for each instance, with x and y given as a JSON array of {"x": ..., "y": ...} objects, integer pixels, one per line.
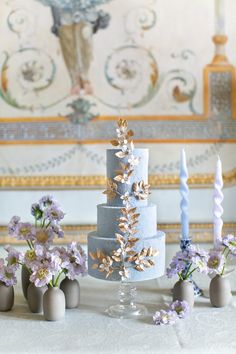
[
  {"x": 111, "y": 190},
  {"x": 141, "y": 190},
  {"x": 115, "y": 142}
]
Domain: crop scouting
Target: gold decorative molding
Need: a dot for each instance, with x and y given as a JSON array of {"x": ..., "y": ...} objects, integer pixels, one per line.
[
  {"x": 200, "y": 233},
  {"x": 92, "y": 182}
]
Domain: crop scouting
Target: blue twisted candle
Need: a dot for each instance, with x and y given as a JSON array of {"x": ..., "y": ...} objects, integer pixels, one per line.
[
  {"x": 217, "y": 208},
  {"x": 184, "y": 191}
]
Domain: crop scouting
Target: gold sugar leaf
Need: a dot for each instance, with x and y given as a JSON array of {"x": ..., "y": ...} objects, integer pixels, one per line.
[
  {"x": 123, "y": 166},
  {"x": 116, "y": 258},
  {"x": 122, "y": 123},
  {"x": 135, "y": 216},
  {"x": 133, "y": 239},
  {"x": 151, "y": 262},
  {"x": 115, "y": 142},
  {"x": 95, "y": 266},
  {"x": 144, "y": 252},
  {"x": 118, "y": 178},
  {"x": 139, "y": 268},
  {"x": 135, "y": 223},
  {"x": 93, "y": 255},
  {"x": 147, "y": 264},
  {"x": 130, "y": 173},
  {"x": 132, "y": 210},
  {"x": 119, "y": 237},
  {"x": 120, "y": 154},
  {"x": 149, "y": 251},
  {"x": 130, "y": 133},
  {"x": 100, "y": 254},
  {"x": 119, "y": 172}
]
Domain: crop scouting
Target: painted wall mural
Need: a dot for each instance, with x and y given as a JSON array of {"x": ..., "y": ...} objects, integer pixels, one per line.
[{"x": 68, "y": 68}]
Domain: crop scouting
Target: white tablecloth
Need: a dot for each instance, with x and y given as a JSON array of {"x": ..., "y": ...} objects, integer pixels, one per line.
[{"x": 89, "y": 330}]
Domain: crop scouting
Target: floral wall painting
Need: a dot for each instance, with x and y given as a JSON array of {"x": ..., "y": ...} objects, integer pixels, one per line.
[{"x": 69, "y": 68}]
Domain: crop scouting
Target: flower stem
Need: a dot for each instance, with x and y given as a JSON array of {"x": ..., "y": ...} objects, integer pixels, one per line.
[
  {"x": 48, "y": 224},
  {"x": 29, "y": 244},
  {"x": 58, "y": 277},
  {"x": 185, "y": 273},
  {"x": 223, "y": 270},
  {"x": 191, "y": 272}
]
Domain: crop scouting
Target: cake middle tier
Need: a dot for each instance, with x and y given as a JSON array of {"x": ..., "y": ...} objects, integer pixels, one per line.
[
  {"x": 140, "y": 173},
  {"x": 108, "y": 221}
]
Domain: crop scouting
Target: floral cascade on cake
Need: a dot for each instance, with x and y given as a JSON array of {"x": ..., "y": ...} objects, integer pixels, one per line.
[{"x": 126, "y": 245}]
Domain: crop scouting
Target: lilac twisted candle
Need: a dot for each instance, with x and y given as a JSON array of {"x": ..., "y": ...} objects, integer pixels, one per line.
[
  {"x": 184, "y": 191},
  {"x": 217, "y": 208}
]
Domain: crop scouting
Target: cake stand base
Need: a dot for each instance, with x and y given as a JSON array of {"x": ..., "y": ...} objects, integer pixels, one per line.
[
  {"x": 119, "y": 311},
  {"x": 127, "y": 307}
]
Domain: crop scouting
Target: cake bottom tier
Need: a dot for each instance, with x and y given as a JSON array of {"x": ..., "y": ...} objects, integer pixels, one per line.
[{"x": 107, "y": 245}]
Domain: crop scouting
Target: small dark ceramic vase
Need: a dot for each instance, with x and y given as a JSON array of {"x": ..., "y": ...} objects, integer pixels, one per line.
[
  {"x": 220, "y": 291},
  {"x": 54, "y": 304},
  {"x": 183, "y": 290},
  {"x": 35, "y": 298},
  {"x": 25, "y": 282},
  {"x": 71, "y": 289},
  {"x": 6, "y": 297}
]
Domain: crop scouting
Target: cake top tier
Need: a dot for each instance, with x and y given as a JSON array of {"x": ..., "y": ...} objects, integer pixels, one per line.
[{"x": 127, "y": 170}]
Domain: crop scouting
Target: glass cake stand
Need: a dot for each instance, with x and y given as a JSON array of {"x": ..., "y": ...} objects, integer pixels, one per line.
[{"x": 127, "y": 306}]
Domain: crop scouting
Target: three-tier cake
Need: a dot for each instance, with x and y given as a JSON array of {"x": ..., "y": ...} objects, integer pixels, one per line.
[{"x": 126, "y": 245}]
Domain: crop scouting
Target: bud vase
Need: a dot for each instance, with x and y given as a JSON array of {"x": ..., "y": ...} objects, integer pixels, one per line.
[
  {"x": 220, "y": 291},
  {"x": 71, "y": 290},
  {"x": 183, "y": 290},
  {"x": 35, "y": 298},
  {"x": 25, "y": 282},
  {"x": 54, "y": 304},
  {"x": 6, "y": 297}
]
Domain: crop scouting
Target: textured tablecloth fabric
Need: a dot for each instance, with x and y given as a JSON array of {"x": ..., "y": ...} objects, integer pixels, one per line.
[{"x": 89, "y": 330}]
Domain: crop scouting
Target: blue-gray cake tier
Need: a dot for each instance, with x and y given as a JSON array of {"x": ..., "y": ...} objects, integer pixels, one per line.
[
  {"x": 108, "y": 216},
  {"x": 140, "y": 173},
  {"x": 107, "y": 245}
]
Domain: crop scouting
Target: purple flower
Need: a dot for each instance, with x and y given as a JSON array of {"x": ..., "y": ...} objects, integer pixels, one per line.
[
  {"x": 181, "y": 308},
  {"x": 44, "y": 236},
  {"x": 25, "y": 231},
  {"x": 230, "y": 242},
  {"x": 54, "y": 213},
  {"x": 193, "y": 258},
  {"x": 46, "y": 201},
  {"x": 14, "y": 257},
  {"x": 13, "y": 225},
  {"x": 57, "y": 230},
  {"x": 177, "y": 266},
  {"x": 163, "y": 317},
  {"x": 7, "y": 274},
  {"x": 41, "y": 276},
  {"x": 31, "y": 261},
  {"x": 73, "y": 260},
  {"x": 36, "y": 211},
  {"x": 216, "y": 262}
]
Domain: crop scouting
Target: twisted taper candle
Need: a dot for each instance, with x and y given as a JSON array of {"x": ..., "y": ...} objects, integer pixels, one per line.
[
  {"x": 184, "y": 191},
  {"x": 217, "y": 208}
]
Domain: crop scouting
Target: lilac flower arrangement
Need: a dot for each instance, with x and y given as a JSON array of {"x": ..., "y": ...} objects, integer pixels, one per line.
[
  {"x": 48, "y": 265},
  {"x": 47, "y": 215},
  {"x": 177, "y": 310},
  {"x": 186, "y": 262},
  {"x": 9, "y": 266},
  {"x": 218, "y": 257}
]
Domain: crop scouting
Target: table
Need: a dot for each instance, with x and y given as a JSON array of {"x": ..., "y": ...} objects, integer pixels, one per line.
[{"x": 88, "y": 329}]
